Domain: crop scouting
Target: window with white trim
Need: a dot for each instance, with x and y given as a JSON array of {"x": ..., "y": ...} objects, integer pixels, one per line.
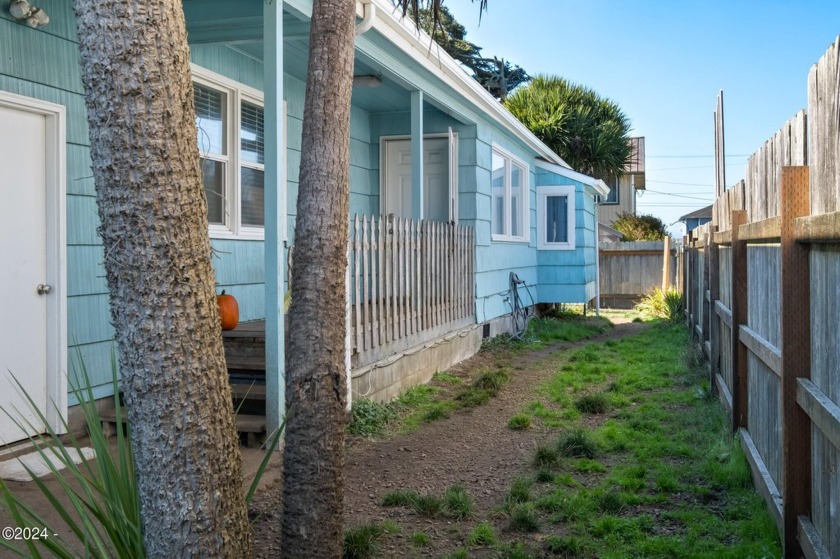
[
  {"x": 509, "y": 187},
  {"x": 231, "y": 142},
  {"x": 611, "y": 198},
  {"x": 556, "y": 218}
]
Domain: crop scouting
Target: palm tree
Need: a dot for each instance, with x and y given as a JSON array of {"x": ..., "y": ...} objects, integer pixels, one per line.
[
  {"x": 144, "y": 155},
  {"x": 588, "y": 131}
]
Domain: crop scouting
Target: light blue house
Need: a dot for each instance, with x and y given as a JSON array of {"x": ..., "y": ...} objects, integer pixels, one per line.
[{"x": 429, "y": 266}]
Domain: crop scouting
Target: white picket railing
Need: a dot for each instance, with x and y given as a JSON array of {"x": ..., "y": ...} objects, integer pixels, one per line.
[{"x": 410, "y": 280}]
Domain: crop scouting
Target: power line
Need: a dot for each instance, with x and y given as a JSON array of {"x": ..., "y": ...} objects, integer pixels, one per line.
[
  {"x": 692, "y": 156},
  {"x": 679, "y": 195},
  {"x": 682, "y": 183}
]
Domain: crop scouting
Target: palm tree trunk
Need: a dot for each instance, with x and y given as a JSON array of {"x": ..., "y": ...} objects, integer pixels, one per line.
[
  {"x": 154, "y": 229},
  {"x": 316, "y": 384}
]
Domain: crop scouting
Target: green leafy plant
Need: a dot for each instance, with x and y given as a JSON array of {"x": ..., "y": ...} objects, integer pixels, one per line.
[
  {"x": 667, "y": 304},
  {"x": 103, "y": 513}
]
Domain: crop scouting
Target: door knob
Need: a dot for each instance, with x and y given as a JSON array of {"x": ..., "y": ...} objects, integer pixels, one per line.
[{"x": 43, "y": 289}]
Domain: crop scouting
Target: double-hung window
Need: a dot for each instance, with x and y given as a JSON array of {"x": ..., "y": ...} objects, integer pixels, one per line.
[
  {"x": 509, "y": 186},
  {"x": 231, "y": 142},
  {"x": 556, "y": 218}
]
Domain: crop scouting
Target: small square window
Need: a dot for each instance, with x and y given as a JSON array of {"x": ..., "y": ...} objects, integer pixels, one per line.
[{"x": 556, "y": 218}]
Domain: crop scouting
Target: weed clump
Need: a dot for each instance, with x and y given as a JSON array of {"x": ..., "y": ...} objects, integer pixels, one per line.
[
  {"x": 522, "y": 517},
  {"x": 369, "y": 419},
  {"x": 483, "y": 534},
  {"x": 593, "y": 403},
  {"x": 519, "y": 422},
  {"x": 545, "y": 457},
  {"x": 577, "y": 444}
]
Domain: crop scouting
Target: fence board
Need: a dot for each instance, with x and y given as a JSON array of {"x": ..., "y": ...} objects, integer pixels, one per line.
[{"x": 824, "y": 131}]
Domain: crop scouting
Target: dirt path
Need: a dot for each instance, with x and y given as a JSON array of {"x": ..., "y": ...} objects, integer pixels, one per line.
[{"x": 472, "y": 448}]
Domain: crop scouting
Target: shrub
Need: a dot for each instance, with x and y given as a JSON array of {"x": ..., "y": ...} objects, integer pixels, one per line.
[{"x": 640, "y": 227}]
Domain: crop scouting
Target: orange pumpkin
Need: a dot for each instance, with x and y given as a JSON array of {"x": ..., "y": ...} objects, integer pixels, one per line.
[{"x": 228, "y": 310}]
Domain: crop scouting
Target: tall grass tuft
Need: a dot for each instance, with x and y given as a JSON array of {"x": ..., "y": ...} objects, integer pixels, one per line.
[{"x": 667, "y": 304}]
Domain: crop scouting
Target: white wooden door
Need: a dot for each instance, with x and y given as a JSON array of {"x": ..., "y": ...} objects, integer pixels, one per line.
[
  {"x": 436, "y": 195},
  {"x": 23, "y": 250}
]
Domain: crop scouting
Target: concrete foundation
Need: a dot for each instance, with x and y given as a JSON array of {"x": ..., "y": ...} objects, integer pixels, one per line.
[{"x": 385, "y": 380}]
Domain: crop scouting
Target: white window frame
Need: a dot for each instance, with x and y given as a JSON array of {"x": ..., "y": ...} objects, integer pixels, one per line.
[
  {"x": 235, "y": 94},
  {"x": 525, "y": 206},
  {"x": 543, "y": 193},
  {"x": 605, "y": 200}
]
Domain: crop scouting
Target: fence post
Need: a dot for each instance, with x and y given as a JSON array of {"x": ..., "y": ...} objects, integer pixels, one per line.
[
  {"x": 705, "y": 288},
  {"x": 796, "y": 355},
  {"x": 714, "y": 295},
  {"x": 739, "y": 316},
  {"x": 666, "y": 263}
]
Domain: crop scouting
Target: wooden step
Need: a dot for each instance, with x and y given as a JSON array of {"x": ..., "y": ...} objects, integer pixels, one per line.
[{"x": 251, "y": 426}]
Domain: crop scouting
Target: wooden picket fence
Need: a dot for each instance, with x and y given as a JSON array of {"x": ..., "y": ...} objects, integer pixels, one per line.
[
  {"x": 411, "y": 281},
  {"x": 762, "y": 285}
]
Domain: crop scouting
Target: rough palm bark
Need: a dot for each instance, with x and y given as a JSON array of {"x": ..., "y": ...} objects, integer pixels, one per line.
[
  {"x": 152, "y": 210},
  {"x": 316, "y": 384}
]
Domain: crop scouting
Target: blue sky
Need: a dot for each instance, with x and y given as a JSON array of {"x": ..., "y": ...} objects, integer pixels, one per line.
[{"x": 663, "y": 62}]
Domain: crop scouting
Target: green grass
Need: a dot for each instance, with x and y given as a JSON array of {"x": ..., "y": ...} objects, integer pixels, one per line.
[
  {"x": 482, "y": 534},
  {"x": 457, "y": 502},
  {"x": 593, "y": 403},
  {"x": 666, "y": 446},
  {"x": 519, "y": 422},
  {"x": 578, "y": 444},
  {"x": 420, "y": 539},
  {"x": 369, "y": 419},
  {"x": 545, "y": 457},
  {"x": 362, "y": 542}
]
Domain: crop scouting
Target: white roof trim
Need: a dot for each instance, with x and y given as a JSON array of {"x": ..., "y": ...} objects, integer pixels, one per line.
[
  {"x": 420, "y": 47},
  {"x": 599, "y": 185}
]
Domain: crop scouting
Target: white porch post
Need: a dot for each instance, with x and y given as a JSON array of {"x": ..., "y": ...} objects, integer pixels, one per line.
[
  {"x": 417, "y": 175},
  {"x": 275, "y": 214}
]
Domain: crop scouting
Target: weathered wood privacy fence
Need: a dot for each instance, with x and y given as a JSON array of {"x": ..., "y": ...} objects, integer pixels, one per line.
[
  {"x": 628, "y": 270},
  {"x": 411, "y": 281},
  {"x": 762, "y": 285}
]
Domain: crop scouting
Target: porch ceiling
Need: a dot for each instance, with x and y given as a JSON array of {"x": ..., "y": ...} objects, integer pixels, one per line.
[{"x": 239, "y": 27}]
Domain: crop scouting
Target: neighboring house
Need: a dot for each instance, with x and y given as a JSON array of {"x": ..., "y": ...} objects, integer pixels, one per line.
[
  {"x": 622, "y": 195},
  {"x": 697, "y": 218},
  {"x": 423, "y": 292}
]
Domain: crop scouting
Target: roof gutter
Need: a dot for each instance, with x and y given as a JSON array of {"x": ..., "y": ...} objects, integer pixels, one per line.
[
  {"x": 600, "y": 186},
  {"x": 421, "y": 48}
]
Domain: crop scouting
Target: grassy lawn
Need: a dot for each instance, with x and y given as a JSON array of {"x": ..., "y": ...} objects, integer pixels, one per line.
[{"x": 643, "y": 464}]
